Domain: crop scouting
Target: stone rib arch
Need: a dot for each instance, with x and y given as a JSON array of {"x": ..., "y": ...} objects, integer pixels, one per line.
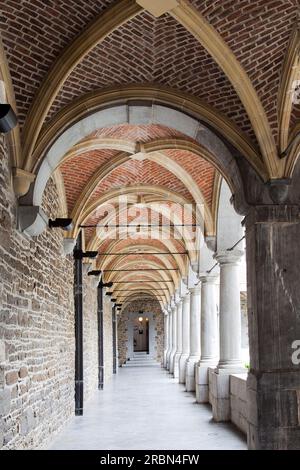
[
  {"x": 161, "y": 275},
  {"x": 138, "y": 115},
  {"x": 161, "y": 261},
  {"x": 149, "y": 280},
  {"x": 168, "y": 244},
  {"x": 94, "y": 242},
  {"x": 14, "y": 135},
  {"x": 115, "y": 261},
  {"x": 290, "y": 72},
  {"x": 194, "y": 22},
  {"x": 102, "y": 26},
  {"x": 168, "y": 247},
  {"x": 161, "y": 159},
  {"x": 148, "y": 96}
]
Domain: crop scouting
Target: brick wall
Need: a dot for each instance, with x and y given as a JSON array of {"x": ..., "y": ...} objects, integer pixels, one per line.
[
  {"x": 34, "y": 33},
  {"x": 90, "y": 336},
  {"x": 148, "y": 306},
  {"x": 37, "y": 327}
]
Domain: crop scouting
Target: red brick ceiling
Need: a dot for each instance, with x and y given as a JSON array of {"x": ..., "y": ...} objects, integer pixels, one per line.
[
  {"x": 141, "y": 133},
  {"x": 258, "y": 33},
  {"x": 145, "y": 172},
  {"x": 34, "y": 33},
  {"x": 154, "y": 50},
  {"x": 78, "y": 170}
]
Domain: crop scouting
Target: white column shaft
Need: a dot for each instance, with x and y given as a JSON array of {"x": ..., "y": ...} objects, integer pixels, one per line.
[
  {"x": 170, "y": 338},
  {"x": 209, "y": 321},
  {"x": 230, "y": 311},
  {"x": 174, "y": 338},
  {"x": 178, "y": 339},
  {"x": 195, "y": 347},
  {"x": 185, "y": 337},
  {"x": 195, "y": 322}
]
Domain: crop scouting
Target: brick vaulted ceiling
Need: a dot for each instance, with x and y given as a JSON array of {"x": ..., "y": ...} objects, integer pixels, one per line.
[{"x": 161, "y": 52}]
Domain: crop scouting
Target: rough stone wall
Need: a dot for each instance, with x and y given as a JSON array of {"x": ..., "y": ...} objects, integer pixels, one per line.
[
  {"x": 90, "y": 336},
  {"x": 107, "y": 339},
  {"x": 36, "y": 325},
  {"x": 123, "y": 336},
  {"x": 238, "y": 401},
  {"x": 148, "y": 306}
]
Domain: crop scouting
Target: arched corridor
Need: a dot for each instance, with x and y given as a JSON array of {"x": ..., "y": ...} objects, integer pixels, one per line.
[{"x": 149, "y": 224}]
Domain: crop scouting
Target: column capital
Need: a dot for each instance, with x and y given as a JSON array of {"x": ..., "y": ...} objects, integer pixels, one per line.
[
  {"x": 196, "y": 289},
  {"x": 209, "y": 278},
  {"x": 229, "y": 257},
  {"x": 186, "y": 297}
]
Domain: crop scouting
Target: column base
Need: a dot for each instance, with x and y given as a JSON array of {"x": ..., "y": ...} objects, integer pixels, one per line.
[
  {"x": 168, "y": 360},
  {"x": 190, "y": 384},
  {"x": 202, "y": 380},
  {"x": 182, "y": 367},
  {"x": 176, "y": 365},
  {"x": 164, "y": 364},
  {"x": 231, "y": 367}
]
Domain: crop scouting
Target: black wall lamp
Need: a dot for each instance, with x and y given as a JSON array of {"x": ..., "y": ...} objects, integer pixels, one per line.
[
  {"x": 119, "y": 309},
  {"x": 94, "y": 272},
  {"x": 65, "y": 224},
  {"x": 113, "y": 300},
  {"x": 118, "y": 305},
  {"x": 8, "y": 118},
  {"x": 109, "y": 293},
  {"x": 105, "y": 284},
  {"x": 79, "y": 254}
]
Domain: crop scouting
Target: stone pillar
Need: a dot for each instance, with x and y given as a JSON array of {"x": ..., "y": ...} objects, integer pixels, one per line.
[
  {"x": 166, "y": 338},
  {"x": 209, "y": 337},
  {"x": 178, "y": 338},
  {"x": 185, "y": 337},
  {"x": 195, "y": 325},
  {"x": 174, "y": 337},
  {"x": 273, "y": 254},
  {"x": 230, "y": 333},
  {"x": 170, "y": 338}
]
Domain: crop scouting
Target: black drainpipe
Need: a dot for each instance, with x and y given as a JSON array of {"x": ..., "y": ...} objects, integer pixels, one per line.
[
  {"x": 100, "y": 338},
  {"x": 114, "y": 333},
  {"x": 78, "y": 328}
]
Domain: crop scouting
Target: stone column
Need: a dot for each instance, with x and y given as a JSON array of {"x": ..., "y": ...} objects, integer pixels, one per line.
[
  {"x": 195, "y": 325},
  {"x": 166, "y": 338},
  {"x": 209, "y": 337},
  {"x": 230, "y": 333},
  {"x": 185, "y": 337},
  {"x": 174, "y": 337},
  {"x": 273, "y": 254},
  {"x": 170, "y": 337},
  {"x": 178, "y": 338}
]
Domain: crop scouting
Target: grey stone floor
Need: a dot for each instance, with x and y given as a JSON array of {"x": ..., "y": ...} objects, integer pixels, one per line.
[{"x": 144, "y": 408}]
